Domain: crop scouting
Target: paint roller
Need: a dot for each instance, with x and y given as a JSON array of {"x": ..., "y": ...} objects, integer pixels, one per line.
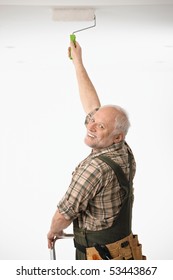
[{"x": 75, "y": 14}]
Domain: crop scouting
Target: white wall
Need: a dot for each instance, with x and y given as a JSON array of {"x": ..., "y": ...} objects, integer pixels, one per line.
[{"x": 129, "y": 57}]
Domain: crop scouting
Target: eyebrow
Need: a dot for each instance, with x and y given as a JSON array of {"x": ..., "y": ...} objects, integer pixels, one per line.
[{"x": 100, "y": 122}]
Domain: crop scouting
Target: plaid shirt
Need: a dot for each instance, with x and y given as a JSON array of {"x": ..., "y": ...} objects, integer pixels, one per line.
[{"x": 94, "y": 195}]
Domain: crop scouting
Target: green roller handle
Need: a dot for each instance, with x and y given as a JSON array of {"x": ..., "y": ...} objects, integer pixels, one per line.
[{"x": 72, "y": 39}]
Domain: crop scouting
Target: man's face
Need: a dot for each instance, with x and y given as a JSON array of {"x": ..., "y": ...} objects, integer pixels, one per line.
[{"x": 100, "y": 129}]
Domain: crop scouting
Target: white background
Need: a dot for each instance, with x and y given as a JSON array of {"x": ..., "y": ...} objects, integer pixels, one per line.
[{"x": 129, "y": 57}]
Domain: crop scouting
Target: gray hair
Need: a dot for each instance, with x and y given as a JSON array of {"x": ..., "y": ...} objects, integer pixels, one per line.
[{"x": 122, "y": 122}]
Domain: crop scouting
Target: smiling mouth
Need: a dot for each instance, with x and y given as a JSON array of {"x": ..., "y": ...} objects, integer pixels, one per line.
[{"x": 90, "y": 135}]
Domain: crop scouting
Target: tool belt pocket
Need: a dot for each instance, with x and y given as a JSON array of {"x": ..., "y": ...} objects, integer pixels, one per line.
[
  {"x": 127, "y": 248},
  {"x": 136, "y": 248}
]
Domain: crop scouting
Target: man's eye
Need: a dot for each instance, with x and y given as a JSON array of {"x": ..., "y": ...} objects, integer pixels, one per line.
[{"x": 101, "y": 126}]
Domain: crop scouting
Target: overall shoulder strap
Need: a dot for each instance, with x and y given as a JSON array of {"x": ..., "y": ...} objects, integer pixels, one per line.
[
  {"x": 123, "y": 220},
  {"x": 122, "y": 179}
]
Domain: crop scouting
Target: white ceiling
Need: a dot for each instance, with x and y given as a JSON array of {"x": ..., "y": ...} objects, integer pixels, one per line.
[
  {"x": 94, "y": 3},
  {"x": 135, "y": 28}
]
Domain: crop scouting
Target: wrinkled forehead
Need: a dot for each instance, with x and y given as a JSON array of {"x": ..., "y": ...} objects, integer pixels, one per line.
[
  {"x": 106, "y": 117},
  {"x": 107, "y": 114}
]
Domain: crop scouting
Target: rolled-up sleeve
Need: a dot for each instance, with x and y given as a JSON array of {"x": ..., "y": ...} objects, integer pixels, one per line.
[
  {"x": 86, "y": 182},
  {"x": 90, "y": 115}
]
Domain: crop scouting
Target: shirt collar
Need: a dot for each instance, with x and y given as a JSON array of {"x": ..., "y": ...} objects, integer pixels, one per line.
[{"x": 111, "y": 148}]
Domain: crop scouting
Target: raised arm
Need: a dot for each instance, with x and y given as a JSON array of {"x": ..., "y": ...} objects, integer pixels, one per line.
[{"x": 87, "y": 92}]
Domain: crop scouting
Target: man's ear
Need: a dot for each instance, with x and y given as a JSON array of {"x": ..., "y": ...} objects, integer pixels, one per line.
[{"x": 118, "y": 138}]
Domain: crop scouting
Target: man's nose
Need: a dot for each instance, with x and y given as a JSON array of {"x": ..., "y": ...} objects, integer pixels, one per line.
[{"x": 92, "y": 126}]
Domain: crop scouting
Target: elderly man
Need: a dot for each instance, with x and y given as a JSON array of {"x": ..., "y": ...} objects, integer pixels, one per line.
[{"x": 95, "y": 201}]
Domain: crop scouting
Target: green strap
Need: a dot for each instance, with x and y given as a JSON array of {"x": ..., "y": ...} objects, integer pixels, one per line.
[
  {"x": 130, "y": 173},
  {"x": 126, "y": 185},
  {"x": 122, "y": 179}
]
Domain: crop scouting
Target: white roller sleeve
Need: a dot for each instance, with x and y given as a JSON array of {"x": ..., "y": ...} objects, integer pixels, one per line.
[{"x": 73, "y": 14}]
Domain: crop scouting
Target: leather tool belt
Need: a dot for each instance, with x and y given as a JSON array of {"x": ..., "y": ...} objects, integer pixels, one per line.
[{"x": 127, "y": 248}]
